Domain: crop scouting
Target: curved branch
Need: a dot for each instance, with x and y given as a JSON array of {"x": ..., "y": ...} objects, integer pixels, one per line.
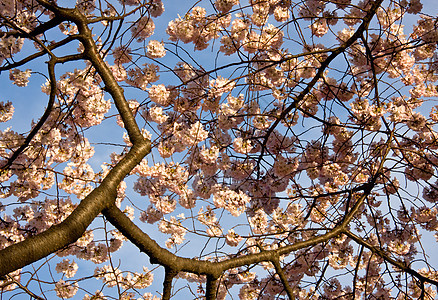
[
  {"x": 24, "y": 288},
  {"x": 91, "y": 52},
  {"x": 159, "y": 255},
  {"x": 396, "y": 263},
  {"x": 36, "y": 31},
  {"x": 72, "y": 228},
  {"x": 156, "y": 253},
  {"x": 320, "y": 72},
  {"x": 51, "y": 69},
  {"x": 164, "y": 257},
  {"x": 31, "y": 135},
  {"x": 68, "y": 231},
  {"x": 38, "y": 54}
]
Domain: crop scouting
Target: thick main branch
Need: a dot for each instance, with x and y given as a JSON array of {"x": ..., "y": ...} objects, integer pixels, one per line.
[{"x": 59, "y": 236}]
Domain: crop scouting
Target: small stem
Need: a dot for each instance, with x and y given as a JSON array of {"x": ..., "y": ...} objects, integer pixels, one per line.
[
  {"x": 31, "y": 135},
  {"x": 24, "y": 288}
]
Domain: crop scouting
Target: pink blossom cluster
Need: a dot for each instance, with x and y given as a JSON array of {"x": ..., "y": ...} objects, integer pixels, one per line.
[
  {"x": 234, "y": 202},
  {"x": 20, "y": 78},
  {"x": 122, "y": 55},
  {"x": 190, "y": 136},
  {"x": 225, "y": 5},
  {"x": 143, "y": 28},
  {"x": 209, "y": 219},
  {"x": 131, "y": 280},
  {"x": 66, "y": 289},
  {"x": 155, "y": 181},
  {"x": 159, "y": 94},
  {"x": 141, "y": 77},
  {"x": 197, "y": 27},
  {"x": 6, "y": 111},
  {"x": 175, "y": 229},
  {"x": 85, "y": 92},
  {"x": 9, "y": 46},
  {"x": 66, "y": 267},
  {"x": 155, "y": 49}
]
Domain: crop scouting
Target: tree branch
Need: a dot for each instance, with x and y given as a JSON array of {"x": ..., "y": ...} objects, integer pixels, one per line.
[
  {"x": 36, "y": 31},
  {"x": 211, "y": 288},
  {"x": 58, "y": 236},
  {"x": 320, "y": 72},
  {"x": 24, "y": 288},
  {"x": 286, "y": 285},
  {"x": 401, "y": 265},
  {"x": 162, "y": 256},
  {"x": 92, "y": 53},
  {"x": 45, "y": 116},
  {"x": 167, "y": 283},
  {"x": 37, "y": 54}
]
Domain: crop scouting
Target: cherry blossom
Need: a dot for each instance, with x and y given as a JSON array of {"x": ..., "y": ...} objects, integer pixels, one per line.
[
  {"x": 254, "y": 150},
  {"x": 20, "y": 78},
  {"x": 225, "y": 5},
  {"x": 232, "y": 238},
  {"x": 122, "y": 55},
  {"x": 66, "y": 267},
  {"x": 155, "y": 49},
  {"x": 6, "y": 111},
  {"x": 159, "y": 94},
  {"x": 233, "y": 202},
  {"x": 9, "y": 46},
  {"x": 143, "y": 28},
  {"x": 65, "y": 289}
]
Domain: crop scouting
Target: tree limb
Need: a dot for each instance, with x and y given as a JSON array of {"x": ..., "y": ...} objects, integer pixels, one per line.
[
  {"x": 211, "y": 288},
  {"x": 167, "y": 283},
  {"x": 286, "y": 285},
  {"x": 58, "y": 236},
  {"x": 380, "y": 252}
]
